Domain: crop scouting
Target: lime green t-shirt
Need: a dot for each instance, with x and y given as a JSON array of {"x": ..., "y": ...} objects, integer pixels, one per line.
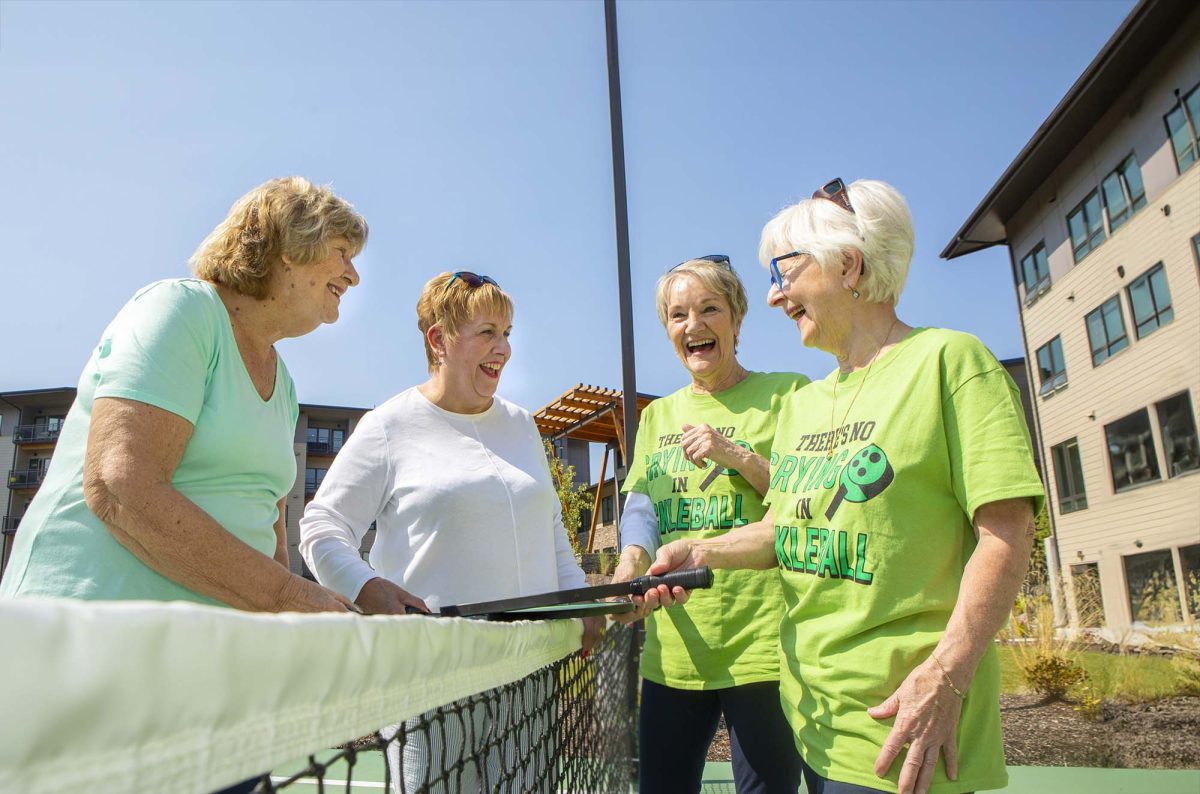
[
  {"x": 872, "y": 543},
  {"x": 172, "y": 347},
  {"x": 729, "y": 634}
]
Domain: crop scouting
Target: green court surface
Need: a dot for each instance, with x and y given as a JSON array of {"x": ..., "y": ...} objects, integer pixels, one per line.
[{"x": 718, "y": 779}]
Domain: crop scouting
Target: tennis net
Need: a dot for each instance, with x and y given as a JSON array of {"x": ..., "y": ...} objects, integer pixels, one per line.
[{"x": 185, "y": 698}]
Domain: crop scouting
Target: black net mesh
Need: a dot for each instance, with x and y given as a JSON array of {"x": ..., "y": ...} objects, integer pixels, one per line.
[{"x": 567, "y": 727}]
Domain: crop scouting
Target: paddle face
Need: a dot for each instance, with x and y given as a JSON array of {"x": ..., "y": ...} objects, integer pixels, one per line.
[{"x": 867, "y": 474}]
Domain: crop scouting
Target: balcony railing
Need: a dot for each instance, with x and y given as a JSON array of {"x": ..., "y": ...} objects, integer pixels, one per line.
[
  {"x": 10, "y": 524},
  {"x": 35, "y": 434},
  {"x": 30, "y": 478},
  {"x": 329, "y": 448}
]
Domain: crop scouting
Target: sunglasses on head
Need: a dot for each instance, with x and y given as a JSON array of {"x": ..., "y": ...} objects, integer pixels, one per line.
[
  {"x": 835, "y": 191},
  {"x": 472, "y": 280},
  {"x": 716, "y": 259}
]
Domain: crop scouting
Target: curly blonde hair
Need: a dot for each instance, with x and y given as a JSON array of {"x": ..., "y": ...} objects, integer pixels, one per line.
[
  {"x": 286, "y": 217},
  {"x": 452, "y": 306}
]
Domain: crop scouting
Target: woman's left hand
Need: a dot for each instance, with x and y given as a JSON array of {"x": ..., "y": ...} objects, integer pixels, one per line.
[
  {"x": 701, "y": 442},
  {"x": 593, "y": 630},
  {"x": 927, "y": 713}
]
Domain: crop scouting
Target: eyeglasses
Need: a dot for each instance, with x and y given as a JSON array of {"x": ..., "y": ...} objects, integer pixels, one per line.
[
  {"x": 835, "y": 191},
  {"x": 472, "y": 280},
  {"x": 776, "y": 276},
  {"x": 716, "y": 259}
]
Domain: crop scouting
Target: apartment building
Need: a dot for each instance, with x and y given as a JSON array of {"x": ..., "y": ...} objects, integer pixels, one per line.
[
  {"x": 30, "y": 422},
  {"x": 1100, "y": 212}
]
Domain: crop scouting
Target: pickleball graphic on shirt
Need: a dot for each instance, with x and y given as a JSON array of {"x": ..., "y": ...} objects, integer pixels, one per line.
[
  {"x": 866, "y": 476},
  {"x": 718, "y": 469}
]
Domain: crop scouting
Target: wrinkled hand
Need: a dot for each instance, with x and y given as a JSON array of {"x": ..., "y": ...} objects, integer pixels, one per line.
[
  {"x": 702, "y": 442},
  {"x": 673, "y": 556},
  {"x": 593, "y": 630},
  {"x": 634, "y": 562},
  {"x": 927, "y": 714},
  {"x": 381, "y": 596},
  {"x": 302, "y": 595}
]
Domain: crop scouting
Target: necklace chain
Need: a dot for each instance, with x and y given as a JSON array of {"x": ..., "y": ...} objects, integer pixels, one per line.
[{"x": 833, "y": 426}]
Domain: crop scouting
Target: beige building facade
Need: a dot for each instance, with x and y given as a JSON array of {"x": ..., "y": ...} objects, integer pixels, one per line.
[{"x": 1101, "y": 215}]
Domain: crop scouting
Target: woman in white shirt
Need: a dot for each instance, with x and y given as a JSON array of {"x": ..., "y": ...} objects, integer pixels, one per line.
[{"x": 454, "y": 478}]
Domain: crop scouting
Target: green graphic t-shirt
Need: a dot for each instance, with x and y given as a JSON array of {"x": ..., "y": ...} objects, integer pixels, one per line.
[
  {"x": 872, "y": 542},
  {"x": 727, "y": 635}
]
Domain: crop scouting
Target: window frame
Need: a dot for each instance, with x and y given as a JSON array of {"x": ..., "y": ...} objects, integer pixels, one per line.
[
  {"x": 1069, "y": 473},
  {"x": 1132, "y": 203},
  {"x": 1091, "y": 243},
  {"x": 1163, "y": 434},
  {"x": 1181, "y": 106},
  {"x": 1119, "y": 343},
  {"x": 1156, "y": 318},
  {"x": 1042, "y": 282},
  {"x": 1149, "y": 453},
  {"x": 1058, "y": 378}
]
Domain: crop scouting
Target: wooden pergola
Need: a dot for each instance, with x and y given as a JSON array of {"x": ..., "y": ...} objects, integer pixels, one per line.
[{"x": 592, "y": 414}]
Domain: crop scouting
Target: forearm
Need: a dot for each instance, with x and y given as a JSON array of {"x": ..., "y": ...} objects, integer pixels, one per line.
[
  {"x": 756, "y": 471},
  {"x": 989, "y": 586},
  {"x": 751, "y": 546},
  {"x": 172, "y": 535}
]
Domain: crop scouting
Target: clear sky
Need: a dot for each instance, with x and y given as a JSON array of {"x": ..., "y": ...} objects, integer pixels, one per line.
[{"x": 476, "y": 136}]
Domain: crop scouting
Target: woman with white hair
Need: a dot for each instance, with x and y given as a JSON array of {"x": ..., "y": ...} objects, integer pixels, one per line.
[
  {"x": 901, "y": 508},
  {"x": 701, "y": 472}
]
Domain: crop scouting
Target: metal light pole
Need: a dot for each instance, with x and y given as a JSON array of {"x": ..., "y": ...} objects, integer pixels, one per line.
[{"x": 624, "y": 302}]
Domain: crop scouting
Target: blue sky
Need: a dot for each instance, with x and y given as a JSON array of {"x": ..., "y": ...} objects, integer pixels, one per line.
[{"x": 475, "y": 136}]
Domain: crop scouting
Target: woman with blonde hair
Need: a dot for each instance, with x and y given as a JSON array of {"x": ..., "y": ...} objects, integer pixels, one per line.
[
  {"x": 456, "y": 481},
  {"x": 700, "y": 472},
  {"x": 174, "y": 461},
  {"x": 902, "y": 496}
]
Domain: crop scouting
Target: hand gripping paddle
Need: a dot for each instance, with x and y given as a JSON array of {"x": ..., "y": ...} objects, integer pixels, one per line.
[{"x": 579, "y": 601}]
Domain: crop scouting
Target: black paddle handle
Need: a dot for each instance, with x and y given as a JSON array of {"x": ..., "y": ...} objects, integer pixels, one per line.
[{"x": 688, "y": 579}]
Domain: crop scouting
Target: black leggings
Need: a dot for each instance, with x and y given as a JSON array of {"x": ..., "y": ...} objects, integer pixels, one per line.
[{"x": 676, "y": 726}]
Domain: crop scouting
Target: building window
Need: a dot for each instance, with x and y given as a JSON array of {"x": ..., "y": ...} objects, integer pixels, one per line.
[
  {"x": 325, "y": 440},
  {"x": 1196, "y": 248},
  {"x": 1052, "y": 370},
  {"x": 1086, "y": 224},
  {"x": 1035, "y": 272},
  {"x": 1182, "y": 125},
  {"x": 1089, "y": 602},
  {"x": 1068, "y": 475},
  {"x": 313, "y": 479},
  {"x": 606, "y": 510},
  {"x": 1131, "y": 451},
  {"x": 1150, "y": 301},
  {"x": 1106, "y": 331},
  {"x": 1189, "y": 557},
  {"x": 1153, "y": 592},
  {"x": 1177, "y": 424},
  {"x": 1124, "y": 193}
]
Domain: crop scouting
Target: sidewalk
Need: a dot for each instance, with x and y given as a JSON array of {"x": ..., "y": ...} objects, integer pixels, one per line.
[{"x": 718, "y": 779}]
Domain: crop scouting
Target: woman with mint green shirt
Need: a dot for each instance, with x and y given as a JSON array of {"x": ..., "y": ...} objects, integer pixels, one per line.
[
  {"x": 170, "y": 473},
  {"x": 700, "y": 471},
  {"x": 901, "y": 505}
]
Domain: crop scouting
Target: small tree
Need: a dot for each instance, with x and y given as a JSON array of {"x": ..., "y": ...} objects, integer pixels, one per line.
[{"x": 572, "y": 497}]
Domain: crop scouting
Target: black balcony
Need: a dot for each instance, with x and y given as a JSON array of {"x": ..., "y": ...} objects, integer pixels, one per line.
[
  {"x": 326, "y": 448},
  {"x": 35, "y": 434},
  {"x": 10, "y": 524},
  {"x": 25, "y": 478}
]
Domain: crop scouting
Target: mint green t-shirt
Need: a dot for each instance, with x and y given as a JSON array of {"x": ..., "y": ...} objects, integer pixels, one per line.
[
  {"x": 172, "y": 347},
  {"x": 729, "y": 634},
  {"x": 872, "y": 543}
]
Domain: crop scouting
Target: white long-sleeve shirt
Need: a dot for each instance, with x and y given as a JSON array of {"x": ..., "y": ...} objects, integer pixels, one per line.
[{"x": 463, "y": 505}]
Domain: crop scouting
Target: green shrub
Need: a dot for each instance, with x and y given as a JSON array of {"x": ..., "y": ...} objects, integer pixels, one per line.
[{"x": 1051, "y": 675}]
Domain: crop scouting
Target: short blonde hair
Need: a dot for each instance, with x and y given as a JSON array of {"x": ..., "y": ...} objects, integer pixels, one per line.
[
  {"x": 880, "y": 228},
  {"x": 452, "y": 306},
  {"x": 715, "y": 276},
  {"x": 286, "y": 217}
]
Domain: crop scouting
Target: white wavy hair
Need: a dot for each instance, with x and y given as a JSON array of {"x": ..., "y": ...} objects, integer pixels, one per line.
[{"x": 880, "y": 229}]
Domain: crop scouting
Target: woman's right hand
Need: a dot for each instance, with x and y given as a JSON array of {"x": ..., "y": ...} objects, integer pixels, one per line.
[
  {"x": 302, "y": 595},
  {"x": 381, "y": 596}
]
